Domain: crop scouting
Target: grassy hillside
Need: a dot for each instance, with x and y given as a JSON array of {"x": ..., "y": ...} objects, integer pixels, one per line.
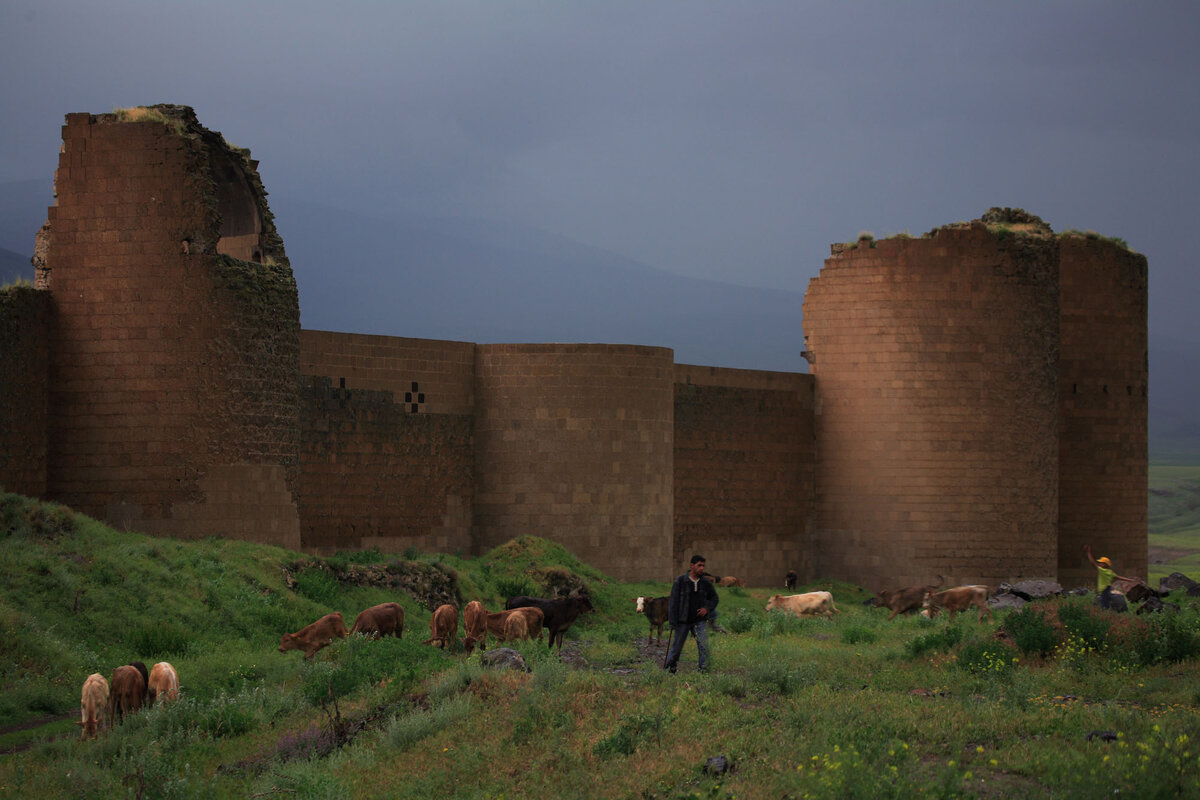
[
  {"x": 1174, "y": 521},
  {"x": 1052, "y": 701}
]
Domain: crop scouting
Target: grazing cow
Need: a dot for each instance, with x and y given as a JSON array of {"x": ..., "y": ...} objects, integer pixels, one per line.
[
  {"x": 92, "y": 704},
  {"x": 385, "y": 619},
  {"x": 655, "y": 609},
  {"x": 902, "y": 601},
  {"x": 958, "y": 599},
  {"x": 315, "y": 636},
  {"x": 443, "y": 627},
  {"x": 559, "y": 613},
  {"x": 789, "y": 580},
  {"x": 128, "y": 692},
  {"x": 809, "y": 604},
  {"x": 474, "y": 623},
  {"x": 729, "y": 580},
  {"x": 164, "y": 682}
]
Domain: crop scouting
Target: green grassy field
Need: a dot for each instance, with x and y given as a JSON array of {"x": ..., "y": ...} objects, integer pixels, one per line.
[
  {"x": 1057, "y": 700},
  {"x": 1174, "y": 521}
]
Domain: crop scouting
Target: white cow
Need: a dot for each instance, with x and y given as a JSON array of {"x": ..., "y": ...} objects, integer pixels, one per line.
[{"x": 809, "y": 604}]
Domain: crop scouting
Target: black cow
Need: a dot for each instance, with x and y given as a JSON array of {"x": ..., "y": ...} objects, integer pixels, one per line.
[{"x": 559, "y": 613}]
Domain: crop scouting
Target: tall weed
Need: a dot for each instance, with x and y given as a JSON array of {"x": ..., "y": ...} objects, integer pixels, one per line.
[{"x": 1029, "y": 630}]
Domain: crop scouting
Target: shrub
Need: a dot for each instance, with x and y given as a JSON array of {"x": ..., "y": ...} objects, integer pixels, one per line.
[
  {"x": 1165, "y": 637},
  {"x": 319, "y": 586},
  {"x": 226, "y": 715},
  {"x": 409, "y": 728},
  {"x": 507, "y": 587},
  {"x": 986, "y": 658},
  {"x": 858, "y": 634},
  {"x": 1030, "y": 631},
  {"x": 1085, "y": 626},
  {"x": 781, "y": 676},
  {"x": 631, "y": 730},
  {"x": 945, "y": 639},
  {"x": 159, "y": 641},
  {"x": 741, "y": 621}
]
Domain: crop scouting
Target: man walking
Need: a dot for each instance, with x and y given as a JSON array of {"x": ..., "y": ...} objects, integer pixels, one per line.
[{"x": 692, "y": 601}]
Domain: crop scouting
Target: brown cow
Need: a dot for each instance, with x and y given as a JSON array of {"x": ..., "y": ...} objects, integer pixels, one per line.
[
  {"x": 729, "y": 580},
  {"x": 789, "y": 580},
  {"x": 92, "y": 704},
  {"x": 958, "y": 599},
  {"x": 128, "y": 693},
  {"x": 655, "y": 609},
  {"x": 164, "y": 682},
  {"x": 901, "y": 601},
  {"x": 385, "y": 619},
  {"x": 443, "y": 627},
  {"x": 315, "y": 636},
  {"x": 474, "y": 623}
]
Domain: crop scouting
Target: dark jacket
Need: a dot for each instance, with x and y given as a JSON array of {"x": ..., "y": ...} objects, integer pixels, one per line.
[{"x": 681, "y": 594}]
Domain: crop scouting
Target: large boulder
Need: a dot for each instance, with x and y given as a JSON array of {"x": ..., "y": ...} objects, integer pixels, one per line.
[
  {"x": 504, "y": 658},
  {"x": 1176, "y": 580}
]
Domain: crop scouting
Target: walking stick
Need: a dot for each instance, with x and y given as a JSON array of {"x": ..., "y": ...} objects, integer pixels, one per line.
[{"x": 667, "y": 654}]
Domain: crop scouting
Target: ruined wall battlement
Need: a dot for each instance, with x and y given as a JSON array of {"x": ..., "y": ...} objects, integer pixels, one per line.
[{"x": 976, "y": 407}]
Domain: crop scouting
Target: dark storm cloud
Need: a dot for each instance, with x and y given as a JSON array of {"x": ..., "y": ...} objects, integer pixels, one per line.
[{"x": 731, "y": 141}]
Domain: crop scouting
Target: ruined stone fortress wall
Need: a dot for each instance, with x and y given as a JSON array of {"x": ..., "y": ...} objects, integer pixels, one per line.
[
  {"x": 24, "y": 390},
  {"x": 173, "y": 367},
  {"x": 1102, "y": 408},
  {"x": 976, "y": 406},
  {"x": 937, "y": 417},
  {"x": 981, "y": 405},
  {"x": 744, "y": 460},
  {"x": 574, "y": 441}
]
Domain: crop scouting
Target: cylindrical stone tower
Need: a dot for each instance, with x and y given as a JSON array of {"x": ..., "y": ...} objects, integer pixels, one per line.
[
  {"x": 935, "y": 362},
  {"x": 174, "y": 346},
  {"x": 573, "y": 443},
  {"x": 1103, "y": 418}
]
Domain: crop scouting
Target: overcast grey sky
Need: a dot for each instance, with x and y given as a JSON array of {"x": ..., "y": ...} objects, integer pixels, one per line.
[{"x": 730, "y": 141}]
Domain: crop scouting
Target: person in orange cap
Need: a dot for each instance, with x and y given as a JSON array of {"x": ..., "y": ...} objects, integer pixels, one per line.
[{"x": 1104, "y": 571}]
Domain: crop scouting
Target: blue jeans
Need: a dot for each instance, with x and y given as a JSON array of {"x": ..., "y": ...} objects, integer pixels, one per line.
[{"x": 700, "y": 631}]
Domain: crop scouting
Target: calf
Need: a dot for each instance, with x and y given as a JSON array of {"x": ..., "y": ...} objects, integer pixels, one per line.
[
  {"x": 164, "y": 682},
  {"x": 443, "y": 627},
  {"x": 559, "y": 613},
  {"x": 789, "y": 580},
  {"x": 958, "y": 599},
  {"x": 92, "y": 704},
  {"x": 128, "y": 693},
  {"x": 902, "y": 601},
  {"x": 729, "y": 580},
  {"x": 655, "y": 609},
  {"x": 315, "y": 636},
  {"x": 808, "y": 604},
  {"x": 385, "y": 619}
]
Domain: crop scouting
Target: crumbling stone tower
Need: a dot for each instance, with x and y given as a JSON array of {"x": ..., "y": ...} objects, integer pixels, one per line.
[
  {"x": 174, "y": 332},
  {"x": 981, "y": 407}
]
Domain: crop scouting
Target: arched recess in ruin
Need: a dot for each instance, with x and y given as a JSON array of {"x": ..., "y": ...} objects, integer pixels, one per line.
[{"x": 237, "y": 203}]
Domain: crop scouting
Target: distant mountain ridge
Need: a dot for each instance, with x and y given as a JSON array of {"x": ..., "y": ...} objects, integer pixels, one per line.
[{"x": 475, "y": 281}]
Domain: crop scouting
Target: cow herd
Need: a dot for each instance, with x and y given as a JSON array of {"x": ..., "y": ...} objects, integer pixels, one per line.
[
  {"x": 103, "y": 703},
  {"x": 523, "y": 618}
]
